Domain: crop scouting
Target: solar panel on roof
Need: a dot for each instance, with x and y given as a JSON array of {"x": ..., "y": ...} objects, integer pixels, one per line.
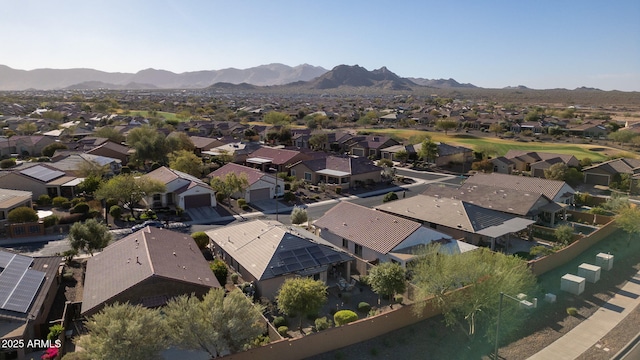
[
  {"x": 333, "y": 257},
  {"x": 23, "y": 294},
  {"x": 308, "y": 263},
  {"x": 294, "y": 267},
  {"x": 42, "y": 173},
  {"x": 18, "y": 283}
]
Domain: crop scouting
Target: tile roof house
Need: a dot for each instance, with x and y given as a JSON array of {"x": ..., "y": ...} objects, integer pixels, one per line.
[
  {"x": 30, "y": 145},
  {"x": 75, "y": 164},
  {"x": 374, "y": 235},
  {"x": 608, "y": 171},
  {"x": 204, "y": 143},
  {"x": 28, "y": 287},
  {"x": 537, "y": 162},
  {"x": 112, "y": 150},
  {"x": 558, "y": 191},
  {"x": 148, "y": 267},
  {"x": 370, "y": 145},
  {"x": 262, "y": 186},
  {"x": 346, "y": 171},
  {"x": 40, "y": 179},
  {"x": 183, "y": 190},
  {"x": 267, "y": 253},
  {"x": 267, "y": 157},
  {"x": 11, "y": 199},
  {"x": 460, "y": 219}
]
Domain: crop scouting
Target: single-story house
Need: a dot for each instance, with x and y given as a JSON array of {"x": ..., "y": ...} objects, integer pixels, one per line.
[
  {"x": 183, "y": 190},
  {"x": 40, "y": 179},
  {"x": 112, "y": 150},
  {"x": 11, "y": 199},
  {"x": 148, "y": 267},
  {"x": 503, "y": 165},
  {"x": 370, "y": 145},
  {"x": 537, "y": 162},
  {"x": 266, "y": 158},
  {"x": 262, "y": 186},
  {"x": 555, "y": 190},
  {"x": 374, "y": 235},
  {"x": 28, "y": 287},
  {"x": 204, "y": 143},
  {"x": 608, "y": 171},
  {"x": 267, "y": 253},
  {"x": 30, "y": 145},
  {"x": 76, "y": 164},
  {"x": 347, "y": 171},
  {"x": 460, "y": 219}
]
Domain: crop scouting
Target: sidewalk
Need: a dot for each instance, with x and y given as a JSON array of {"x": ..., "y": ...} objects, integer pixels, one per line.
[{"x": 590, "y": 331}]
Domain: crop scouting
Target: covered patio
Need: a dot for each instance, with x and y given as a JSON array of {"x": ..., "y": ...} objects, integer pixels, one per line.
[{"x": 337, "y": 177}]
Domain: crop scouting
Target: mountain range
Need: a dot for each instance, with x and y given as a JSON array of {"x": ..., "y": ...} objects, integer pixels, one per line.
[{"x": 311, "y": 77}]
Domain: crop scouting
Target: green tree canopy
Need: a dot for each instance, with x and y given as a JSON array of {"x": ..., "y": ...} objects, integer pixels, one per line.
[
  {"x": 148, "y": 143},
  {"x": 230, "y": 184},
  {"x": 109, "y": 132},
  {"x": 89, "y": 236},
  {"x": 299, "y": 215},
  {"x": 277, "y": 118},
  {"x": 216, "y": 324},
  {"x": 22, "y": 214},
  {"x": 177, "y": 141},
  {"x": 123, "y": 331},
  {"x": 428, "y": 150},
  {"x": 50, "y": 149},
  {"x": 186, "y": 161},
  {"x": 302, "y": 296},
  {"x": 485, "y": 274},
  {"x": 446, "y": 125},
  {"x": 318, "y": 141},
  {"x": 628, "y": 219},
  {"x": 564, "y": 234},
  {"x": 201, "y": 238},
  {"x": 388, "y": 279},
  {"x": 129, "y": 189}
]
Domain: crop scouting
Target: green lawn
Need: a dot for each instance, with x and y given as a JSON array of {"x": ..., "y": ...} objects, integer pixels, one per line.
[
  {"x": 166, "y": 115},
  {"x": 595, "y": 152}
]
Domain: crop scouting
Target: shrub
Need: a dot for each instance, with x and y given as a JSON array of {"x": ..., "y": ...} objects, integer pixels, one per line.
[
  {"x": 364, "y": 307},
  {"x": 93, "y": 213},
  {"x": 125, "y": 170},
  {"x": 7, "y": 163},
  {"x": 289, "y": 196},
  {"x": 540, "y": 250},
  {"x": 77, "y": 200},
  {"x": 50, "y": 220},
  {"x": 242, "y": 202},
  {"x": 298, "y": 215},
  {"x": 70, "y": 219},
  {"x": 283, "y": 330},
  {"x": 572, "y": 311},
  {"x": 338, "y": 190},
  {"x": 323, "y": 323},
  {"x": 66, "y": 205},
  {"x": 111, "y": 202},
  {"x": 220, "y": 270},
  {"x": 343, "y": 317},
  {"x": 246, "y": 207},
  {"x": 44, "y": 200},
  {"x": 398, "y": 298},
  {"x": 220, "y": 197},
  {"x": 22, "y": 214},
  {"x": 59, "y": 200},
  {"x": 201, "y": 239},
  {"x": 55, "y": 331},
  {"x": 279, "y": 321},
  {"x": 115, "y": 211},
  {"x": 80, "y": 208},
  {"x": 234, "y": 278},
  {"x": 390, "y": 197}
]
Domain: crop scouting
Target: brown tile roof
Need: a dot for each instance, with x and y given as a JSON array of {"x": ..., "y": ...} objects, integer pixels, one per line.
[
  {"x": 369, "y": 228},
  {"x": 150, "y": 252},
  {"x": 550, "y": 188},
  {"x": 491, "y": 197},
  {"x": 277, "y": 156},
  {"x": 253, "y": 175},
  {"x": 163, "y": 174},
  {"x": 621, "y": 166}
]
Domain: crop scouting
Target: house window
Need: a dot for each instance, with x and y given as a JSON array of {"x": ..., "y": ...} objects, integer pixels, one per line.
[
  {"x": 307, "y": 176},
  {"x": 345, "y": 243},
  {"x": 293, "y": 172},
  {"x": 372, "y": 152},
  {"x": 358, "y": 250}
]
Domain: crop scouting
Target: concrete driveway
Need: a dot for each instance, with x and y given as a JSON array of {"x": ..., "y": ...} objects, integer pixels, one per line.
[{"x": 203, "y": 215}]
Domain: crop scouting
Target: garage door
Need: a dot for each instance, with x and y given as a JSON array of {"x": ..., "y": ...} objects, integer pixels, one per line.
[
  {"x": 259, "y": 194},
  {"x": 597, "y": 179},
  {"x": 194, "y": 201}
]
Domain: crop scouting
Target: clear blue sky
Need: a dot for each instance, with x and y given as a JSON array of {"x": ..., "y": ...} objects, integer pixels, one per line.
[{"x": 540, "y": 44}]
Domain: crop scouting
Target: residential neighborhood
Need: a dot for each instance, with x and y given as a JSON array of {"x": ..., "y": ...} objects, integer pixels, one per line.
[{"x": 133, "y": 205}]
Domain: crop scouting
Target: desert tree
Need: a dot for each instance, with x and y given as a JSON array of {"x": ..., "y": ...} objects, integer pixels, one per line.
[
  {"x": 628, "y": 219},
  {"x": 388, "y": 279},
  {"x": 230, "y": 184},
  {"x": 123, "y": 331},
  {"x": 89, "y": 236},
  {"x": 186, "y": 161},
  {"x": 217, "y": 324},
  {"x": 129, "y": 189},
  {"x": 446, "y": 125},
  {"x": 301, "y": 296},
  {"x": 428, "y": 150}
]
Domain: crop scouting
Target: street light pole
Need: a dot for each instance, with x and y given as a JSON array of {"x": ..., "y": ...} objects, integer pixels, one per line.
[{"x": 523, "y": 302}]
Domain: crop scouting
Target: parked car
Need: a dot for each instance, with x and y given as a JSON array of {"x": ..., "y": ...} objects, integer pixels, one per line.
[{"x": 154, "y": 223}]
